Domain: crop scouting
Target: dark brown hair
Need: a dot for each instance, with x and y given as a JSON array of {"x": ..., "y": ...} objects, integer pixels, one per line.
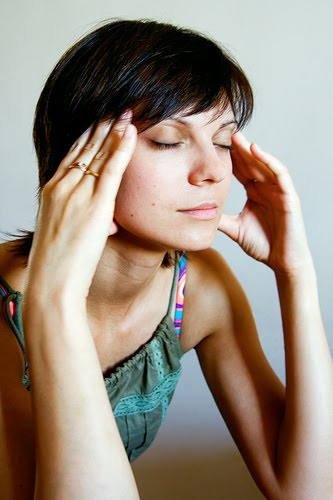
[{"x": 154, "y": 68}]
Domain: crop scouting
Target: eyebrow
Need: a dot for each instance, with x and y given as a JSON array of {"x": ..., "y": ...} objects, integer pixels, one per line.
[{"x": 188, "y": 125}]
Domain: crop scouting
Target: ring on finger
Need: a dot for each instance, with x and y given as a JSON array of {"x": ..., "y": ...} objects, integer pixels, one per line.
[
  {"x": 91, "y": 172},
  {"x": 79, "y": 164},
  {"x": 83, "y": 167}
]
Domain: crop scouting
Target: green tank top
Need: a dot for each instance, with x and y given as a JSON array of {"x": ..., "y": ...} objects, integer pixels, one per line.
[{"x": 141, "y": 388}]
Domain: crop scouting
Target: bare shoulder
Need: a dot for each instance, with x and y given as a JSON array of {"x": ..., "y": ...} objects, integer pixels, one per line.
[
  {"x": 12, "y": 267},
  {"x": 213, "y": 295},
  {"x": 16, "y": 428},
  {"x": 17, "y": 462},
  {"x": 11, "y": 360}
]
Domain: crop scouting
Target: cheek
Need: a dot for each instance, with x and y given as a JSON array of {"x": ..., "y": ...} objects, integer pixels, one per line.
[
  {"x": 230, "y": 172},
  {"x": 228, "y": 179},
  {"x": 138, "y": 193},
  {"x": 225, "y": 184}
]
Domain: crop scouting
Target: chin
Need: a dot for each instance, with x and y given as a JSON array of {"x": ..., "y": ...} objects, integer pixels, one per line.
[
  {"x": 170, "y": 239},
  {"x": 198, "y": 241}
]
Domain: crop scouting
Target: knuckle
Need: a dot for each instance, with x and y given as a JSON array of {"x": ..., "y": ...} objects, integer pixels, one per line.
[
  {"x": 90, "y": 146},
  {"x": 46, "y": 189},
  {"x": 102, "y": 155},
  {"x": 49, "y": 195},
  {"x": 57, "y": 191},
  {"x": 77, "y": 197},
  {"x": 118, "y": 129}
]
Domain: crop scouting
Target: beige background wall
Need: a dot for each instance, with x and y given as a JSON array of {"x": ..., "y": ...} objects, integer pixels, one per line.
[{"x": 286, "y": 49}]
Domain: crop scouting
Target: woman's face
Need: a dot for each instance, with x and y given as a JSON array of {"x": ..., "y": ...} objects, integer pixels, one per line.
[{"x": 172, "y": 195}]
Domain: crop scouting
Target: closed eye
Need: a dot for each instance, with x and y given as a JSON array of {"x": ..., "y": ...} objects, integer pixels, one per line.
[
  {"x": 162, "y": 145},
  {"x": 229, "y": 147}
]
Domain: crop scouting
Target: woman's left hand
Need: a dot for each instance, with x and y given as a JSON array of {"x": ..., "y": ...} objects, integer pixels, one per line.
[{"x": 270, "y": 227}]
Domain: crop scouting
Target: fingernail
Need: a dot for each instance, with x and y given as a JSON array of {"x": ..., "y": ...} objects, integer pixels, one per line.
[{"x": 126, "y": 115}]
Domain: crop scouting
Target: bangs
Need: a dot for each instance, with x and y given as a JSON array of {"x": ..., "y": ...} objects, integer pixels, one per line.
[
  {"x": 157, "y": 70},
  {"x": 191, "y": 80}
]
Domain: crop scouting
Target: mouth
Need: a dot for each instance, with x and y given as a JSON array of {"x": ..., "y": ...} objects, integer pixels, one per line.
[{"x": 204, "y": 211}]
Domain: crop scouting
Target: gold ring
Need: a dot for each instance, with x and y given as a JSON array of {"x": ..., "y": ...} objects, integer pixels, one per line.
[
  {"x": 91, "y": 172},
  {"x": 79, "y": 164}
]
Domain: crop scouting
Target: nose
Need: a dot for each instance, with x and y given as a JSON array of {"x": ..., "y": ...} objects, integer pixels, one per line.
[{"x": 209, "y": 167}]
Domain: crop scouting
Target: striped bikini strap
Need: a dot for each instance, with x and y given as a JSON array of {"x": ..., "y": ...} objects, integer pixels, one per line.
[{"x": 180, "y": 293}]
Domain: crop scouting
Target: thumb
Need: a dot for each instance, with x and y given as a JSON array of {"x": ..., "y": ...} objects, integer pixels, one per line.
[
  {"x": 114, "y": 228},
  {"x": 229, "y": 225}
]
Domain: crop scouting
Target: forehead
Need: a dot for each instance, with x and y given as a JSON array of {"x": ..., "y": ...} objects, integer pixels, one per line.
[{"x": 212, "y": 118}]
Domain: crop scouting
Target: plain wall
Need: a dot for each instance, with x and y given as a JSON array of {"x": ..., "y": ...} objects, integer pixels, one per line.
[{"x": 285, "y": 49}]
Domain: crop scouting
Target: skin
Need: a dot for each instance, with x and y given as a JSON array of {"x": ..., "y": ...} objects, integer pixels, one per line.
[{"x": 102, "y": 242}]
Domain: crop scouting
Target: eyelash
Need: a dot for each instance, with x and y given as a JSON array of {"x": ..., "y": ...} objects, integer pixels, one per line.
[{"x": 161, "y": 145}]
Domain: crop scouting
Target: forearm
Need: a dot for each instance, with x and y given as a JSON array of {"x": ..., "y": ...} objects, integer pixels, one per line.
[
  {"x": 305, "y": 447},
  {"x": 78, "y": 447}
]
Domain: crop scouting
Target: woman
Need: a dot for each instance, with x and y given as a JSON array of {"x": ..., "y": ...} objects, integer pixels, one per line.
[{"x": 127, "y": 214}]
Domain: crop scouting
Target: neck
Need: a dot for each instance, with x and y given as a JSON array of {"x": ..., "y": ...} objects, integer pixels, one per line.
[{"x": 127, "y": 271}]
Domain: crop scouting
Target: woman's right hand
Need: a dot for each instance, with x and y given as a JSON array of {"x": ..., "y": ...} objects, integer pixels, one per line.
[{"x": 75, "y": 216}]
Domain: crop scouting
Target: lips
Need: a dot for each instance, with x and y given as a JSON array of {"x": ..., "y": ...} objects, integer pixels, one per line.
[
  {"x": 203, "y": 211},
  {"x": 202, "y": 206}
]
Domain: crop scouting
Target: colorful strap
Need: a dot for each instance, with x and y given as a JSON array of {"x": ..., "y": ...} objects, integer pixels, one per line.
[{"x": 180, "y": 293}]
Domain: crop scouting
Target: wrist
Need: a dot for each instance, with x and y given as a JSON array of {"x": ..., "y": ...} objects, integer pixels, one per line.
[
  {"x": 294, "y": 267},
  {"x": 53, "y": 323},
  {"x": 303, "y": 275},
  {"x": 44, "y": 299}
]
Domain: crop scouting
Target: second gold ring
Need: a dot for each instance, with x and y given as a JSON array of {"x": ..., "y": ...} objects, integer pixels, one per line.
[{"x": 91, "y": 172}]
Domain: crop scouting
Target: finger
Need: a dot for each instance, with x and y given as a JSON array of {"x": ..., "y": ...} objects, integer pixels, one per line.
[
  {"x": 102, "y": 146},
  {"x": 76, "y": 155},
  {"x": 114, "y": 168},
  {"x": 277, "y": 168},
  {"x": 251, "y": 179},
  {"x": 106, "y": 150},
  {"x": 86, "y": 151},
  {"x": 111, "y": 142},
  {"x": 89, "y": 144},
  {"x": 70, "y": 157},
  {"x": 229, "y": 225},
  {"x": 248, "y": 166},
  {"x": 246, "y": 163},
  {"x": 272, "y": 163}
]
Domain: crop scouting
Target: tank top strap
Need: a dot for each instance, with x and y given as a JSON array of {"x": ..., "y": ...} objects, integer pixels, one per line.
[
  {"x": 178, "y": 291},
  {"x": 12, "y": 306}
]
